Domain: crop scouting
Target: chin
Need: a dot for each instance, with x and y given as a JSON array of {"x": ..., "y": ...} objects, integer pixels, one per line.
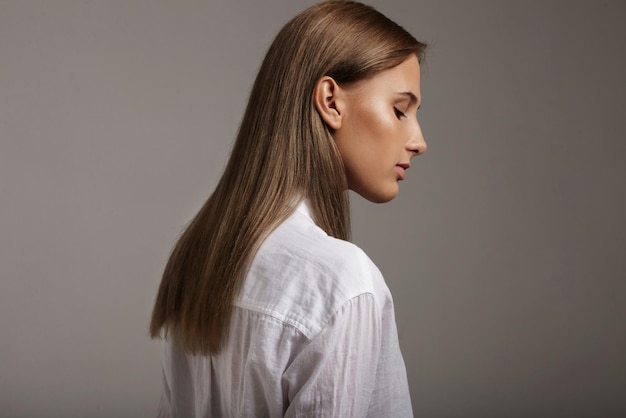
[
  {"x": 381, "y": 199},
  {"x": 378, "y": 196}
]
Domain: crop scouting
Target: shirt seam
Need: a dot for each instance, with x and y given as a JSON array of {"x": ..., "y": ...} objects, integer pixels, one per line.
[{"x": 299, "y": 326}]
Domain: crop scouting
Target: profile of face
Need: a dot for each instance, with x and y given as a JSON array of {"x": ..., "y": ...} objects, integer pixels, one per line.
[{"x": 374, "y": 124}]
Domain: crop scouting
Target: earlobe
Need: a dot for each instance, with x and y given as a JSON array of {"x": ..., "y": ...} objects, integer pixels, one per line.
[{"x": 325, "y": 97}]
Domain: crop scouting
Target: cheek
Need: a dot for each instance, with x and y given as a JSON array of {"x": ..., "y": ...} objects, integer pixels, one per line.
[
  {"x": 367, "y": 144},
  {"x": 384, "y": 136},
  {"x": 374, "y": 124}
]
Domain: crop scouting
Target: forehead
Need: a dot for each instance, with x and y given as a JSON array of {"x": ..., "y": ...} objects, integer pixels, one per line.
[{"x": 403, "y": 78}]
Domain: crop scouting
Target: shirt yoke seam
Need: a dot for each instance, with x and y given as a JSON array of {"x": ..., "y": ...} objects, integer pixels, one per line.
[{"x": 294, "y": 323}]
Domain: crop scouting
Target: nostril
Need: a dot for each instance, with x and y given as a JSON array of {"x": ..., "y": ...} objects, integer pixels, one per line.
[{"x": 417, "y": 147}]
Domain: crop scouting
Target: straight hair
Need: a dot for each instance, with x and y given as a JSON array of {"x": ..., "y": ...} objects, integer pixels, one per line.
[{"x": 283, "y": 153}]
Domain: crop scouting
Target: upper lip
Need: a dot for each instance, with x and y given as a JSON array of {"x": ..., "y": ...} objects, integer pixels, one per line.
[{"x": 404, "y": 165}]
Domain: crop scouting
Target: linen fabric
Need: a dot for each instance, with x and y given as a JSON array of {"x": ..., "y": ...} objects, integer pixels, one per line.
[{"x": 313, "y": 333}]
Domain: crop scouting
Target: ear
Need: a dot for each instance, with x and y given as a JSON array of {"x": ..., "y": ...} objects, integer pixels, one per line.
[{"x": 326, "y": 97}]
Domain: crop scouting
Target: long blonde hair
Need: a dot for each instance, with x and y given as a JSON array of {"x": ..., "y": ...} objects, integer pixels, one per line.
[{"x": 283, "y": 153}]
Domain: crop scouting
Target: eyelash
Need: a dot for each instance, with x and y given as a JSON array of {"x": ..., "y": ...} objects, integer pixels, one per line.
[{"x": 398, "y": 113}]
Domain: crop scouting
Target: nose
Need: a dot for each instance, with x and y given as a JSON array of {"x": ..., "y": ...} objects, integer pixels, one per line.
[{"x": 417, "y": 144}]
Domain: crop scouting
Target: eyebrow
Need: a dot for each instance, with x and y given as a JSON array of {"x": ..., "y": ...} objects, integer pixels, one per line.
[{"x": 411, "y": 96}]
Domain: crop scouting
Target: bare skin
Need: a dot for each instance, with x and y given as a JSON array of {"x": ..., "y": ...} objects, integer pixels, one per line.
[{"x": 374, "y": 124}]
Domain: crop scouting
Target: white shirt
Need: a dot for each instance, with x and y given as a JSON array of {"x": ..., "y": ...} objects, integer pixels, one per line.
[{"x": 313, "y": 333}]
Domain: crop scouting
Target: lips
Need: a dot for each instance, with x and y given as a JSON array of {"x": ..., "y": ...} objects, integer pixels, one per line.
[{"x": 401, "y": 170}]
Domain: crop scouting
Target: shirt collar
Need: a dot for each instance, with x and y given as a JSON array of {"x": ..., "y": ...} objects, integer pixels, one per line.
[{"x": 304, "y": 207}]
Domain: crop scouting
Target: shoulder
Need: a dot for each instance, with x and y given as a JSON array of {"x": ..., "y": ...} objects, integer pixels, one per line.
[{"x": 302, "y": 276}]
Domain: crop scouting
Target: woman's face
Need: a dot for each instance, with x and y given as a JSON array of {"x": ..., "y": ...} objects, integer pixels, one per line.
[{"x": 379, "y": 132}]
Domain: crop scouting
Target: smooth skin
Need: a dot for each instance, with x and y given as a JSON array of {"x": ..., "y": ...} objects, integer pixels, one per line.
[{"x": 374, "y": 124}]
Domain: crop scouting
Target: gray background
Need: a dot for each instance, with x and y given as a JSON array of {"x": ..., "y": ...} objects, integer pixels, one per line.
[{"x": 505, "y": 250}]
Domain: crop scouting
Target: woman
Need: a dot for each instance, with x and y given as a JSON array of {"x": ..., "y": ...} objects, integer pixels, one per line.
[{"x": 266, "y": 308}]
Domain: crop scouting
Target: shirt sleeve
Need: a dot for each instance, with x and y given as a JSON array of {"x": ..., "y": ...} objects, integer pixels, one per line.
[{"x": 352, "y": 368}]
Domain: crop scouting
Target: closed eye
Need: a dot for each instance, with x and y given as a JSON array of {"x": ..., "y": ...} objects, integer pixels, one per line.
[{"x": 398, "y": 113}]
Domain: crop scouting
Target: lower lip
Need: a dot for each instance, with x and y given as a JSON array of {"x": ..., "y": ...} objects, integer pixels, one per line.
[{"x": 401, "y": 172}]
